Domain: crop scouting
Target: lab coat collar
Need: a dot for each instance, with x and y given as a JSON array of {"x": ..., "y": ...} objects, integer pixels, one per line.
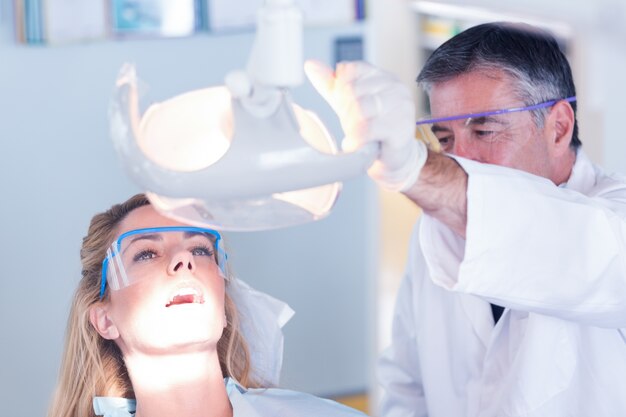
[{"x": 478, "y": 312}]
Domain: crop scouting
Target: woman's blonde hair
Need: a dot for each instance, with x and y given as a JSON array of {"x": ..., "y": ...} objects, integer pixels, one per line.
[{"x": 93, "y": 366}]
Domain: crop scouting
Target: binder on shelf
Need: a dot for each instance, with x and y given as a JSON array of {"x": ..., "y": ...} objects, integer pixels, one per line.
[
  {"x": 359, "y": 8},
  {"x": 69, "y": 21},
  {"x": 159, "y": 18}
]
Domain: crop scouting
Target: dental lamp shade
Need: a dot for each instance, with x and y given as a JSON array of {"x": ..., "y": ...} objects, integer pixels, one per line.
[{"x": 238, "y": 157}]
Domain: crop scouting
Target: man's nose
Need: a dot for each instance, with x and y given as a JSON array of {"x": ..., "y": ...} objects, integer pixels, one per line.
[{"x": 464, "y": 147}]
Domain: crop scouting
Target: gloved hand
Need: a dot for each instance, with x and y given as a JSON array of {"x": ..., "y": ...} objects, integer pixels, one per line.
[{"x": 373, "y": 106}]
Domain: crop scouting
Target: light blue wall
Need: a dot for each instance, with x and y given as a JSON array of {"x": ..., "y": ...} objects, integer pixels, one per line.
[{"x": 58, "y": 168}]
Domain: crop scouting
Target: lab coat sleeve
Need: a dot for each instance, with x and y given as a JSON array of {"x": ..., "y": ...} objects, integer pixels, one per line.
[
  {"x": 533, "y": 246},
  {"x": 398, "y": 367}
]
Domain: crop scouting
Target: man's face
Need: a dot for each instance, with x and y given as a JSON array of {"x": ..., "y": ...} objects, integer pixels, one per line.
[{"x": 512, "y": 140}]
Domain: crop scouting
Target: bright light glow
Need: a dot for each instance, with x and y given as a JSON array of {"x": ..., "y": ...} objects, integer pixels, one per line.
[
  {"x": 194, "y": 130},
  {"x": 188, "y": 132}
]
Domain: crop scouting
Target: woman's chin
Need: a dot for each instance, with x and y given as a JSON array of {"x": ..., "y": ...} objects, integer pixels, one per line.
[{"x": 182, "y": 327}]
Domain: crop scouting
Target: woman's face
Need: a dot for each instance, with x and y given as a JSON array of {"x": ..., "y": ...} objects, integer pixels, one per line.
[{"x": 179, "y": 306}]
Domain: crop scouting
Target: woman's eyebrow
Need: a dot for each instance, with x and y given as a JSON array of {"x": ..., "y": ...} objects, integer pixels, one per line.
[
  {"x": 208, "y": 236},
  {"x": 148, "y": 236},
  {"x": 191, "y": 233},
  {"x": 143, "y": 236}
]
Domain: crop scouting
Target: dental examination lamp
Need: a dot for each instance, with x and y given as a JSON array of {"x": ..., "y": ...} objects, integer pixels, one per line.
[{"x": 241, "y": 156}]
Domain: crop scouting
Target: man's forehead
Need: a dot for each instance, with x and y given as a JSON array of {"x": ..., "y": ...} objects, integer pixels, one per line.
[{"x": 472, "y": 93}]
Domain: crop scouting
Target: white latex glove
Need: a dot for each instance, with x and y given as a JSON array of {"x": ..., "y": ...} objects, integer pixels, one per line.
[{"x": 373, "y": 106}]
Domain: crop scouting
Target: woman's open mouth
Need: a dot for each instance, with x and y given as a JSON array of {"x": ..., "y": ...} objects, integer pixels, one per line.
[{"x": 185, "y": 295}]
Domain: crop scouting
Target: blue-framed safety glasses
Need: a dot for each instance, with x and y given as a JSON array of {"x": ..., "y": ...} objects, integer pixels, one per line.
[
  {"x": 140, "y": 254},
  {"x": 487, "y": 126}
]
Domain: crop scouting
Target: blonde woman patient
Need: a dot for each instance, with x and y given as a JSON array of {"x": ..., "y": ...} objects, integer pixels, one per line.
[{"x": 153, "y": 329}]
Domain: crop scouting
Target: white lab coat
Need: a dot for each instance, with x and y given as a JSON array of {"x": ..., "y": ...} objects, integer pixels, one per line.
[{"x": 555, "y": 258}]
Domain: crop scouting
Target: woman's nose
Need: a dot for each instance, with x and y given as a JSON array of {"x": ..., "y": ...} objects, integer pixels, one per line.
[{"x": 181, "y": 261}]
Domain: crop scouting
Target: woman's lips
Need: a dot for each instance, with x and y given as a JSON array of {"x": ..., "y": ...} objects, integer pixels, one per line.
[{"x": 185, "y": 295}]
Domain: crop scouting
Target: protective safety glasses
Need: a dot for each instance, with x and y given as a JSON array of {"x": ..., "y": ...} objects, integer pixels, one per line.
[
  {"x": 487, "y": 126},
  {"x": 142, "y": 253}
]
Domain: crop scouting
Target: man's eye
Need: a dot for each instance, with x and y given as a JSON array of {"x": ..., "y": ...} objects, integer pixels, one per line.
[
  {"x": 443, "y": 138},
  {"x": 486, "y": 135},
  {"x": 144, "y": 255},
  {"x": 445, "y": 141}
]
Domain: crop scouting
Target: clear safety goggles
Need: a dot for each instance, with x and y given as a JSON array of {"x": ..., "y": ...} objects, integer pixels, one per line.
[
  {"x": 142, "y": 253},
  {"x": 486, "y": 126}
]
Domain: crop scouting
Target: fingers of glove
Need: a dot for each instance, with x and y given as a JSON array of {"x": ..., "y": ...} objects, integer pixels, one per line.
[
  {"x": 356, "y": 135},
  {"x": 394, "y": 133},
  {"x": 390, "y": 121},
  {"x": 337, "y": 92},
  {"x": 350, "y": 71},
  {"x": 355, "y": 72},
  {"x": 394, "y": 141},
  {"x": 361, "y": 79},
  {"x": 395, "y": 102},
  {"x": 376, "y": 88},
  {"x": 321, "y": 77},
  {"x": 372, "y": 105},
  {"x": 376, "y": 118},
  {"x": 390, "y": 108},
  {"x": 350, "y": 82},
  {"x": 356, "y": 116}
]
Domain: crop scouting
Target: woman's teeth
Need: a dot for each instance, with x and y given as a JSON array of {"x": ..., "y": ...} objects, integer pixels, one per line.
[{"x": 185, "y": 296}]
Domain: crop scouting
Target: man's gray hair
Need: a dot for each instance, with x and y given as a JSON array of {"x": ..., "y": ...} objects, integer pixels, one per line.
[{"x": 531, "y": 57}]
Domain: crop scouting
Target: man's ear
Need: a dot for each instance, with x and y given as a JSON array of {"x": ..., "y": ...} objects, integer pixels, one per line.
[
  {"x": 560, "y": 122},
  {"x": 100, "y": 320}
]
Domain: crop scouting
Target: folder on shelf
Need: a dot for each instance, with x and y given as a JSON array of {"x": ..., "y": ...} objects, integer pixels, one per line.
[
  {"x": 169, "y": 18},
  {"x": 67, "y": 21}
]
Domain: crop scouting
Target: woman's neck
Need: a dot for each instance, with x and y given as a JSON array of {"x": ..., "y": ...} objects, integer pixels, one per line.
[{"x": 188, "y": 384}]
